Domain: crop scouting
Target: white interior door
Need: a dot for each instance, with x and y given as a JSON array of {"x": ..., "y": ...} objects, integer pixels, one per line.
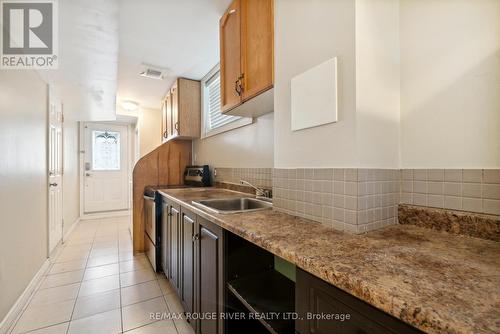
[
  {"x": 105, "y": 167},
  {"x": 55, "y": 173}
]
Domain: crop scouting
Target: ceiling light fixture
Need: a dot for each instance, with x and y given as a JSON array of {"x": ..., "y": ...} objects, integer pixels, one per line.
[{"x": 130, "y": 105}]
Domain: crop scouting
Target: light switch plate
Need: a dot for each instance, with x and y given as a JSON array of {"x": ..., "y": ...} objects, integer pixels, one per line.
[{"x": 314, "y": 96}]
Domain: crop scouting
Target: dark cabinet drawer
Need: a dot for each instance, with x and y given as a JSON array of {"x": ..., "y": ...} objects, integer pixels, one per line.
[{"x": 325, "y": 309}]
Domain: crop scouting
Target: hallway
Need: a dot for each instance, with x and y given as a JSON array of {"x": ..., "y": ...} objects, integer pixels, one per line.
[{"x": 95, "y": 285}]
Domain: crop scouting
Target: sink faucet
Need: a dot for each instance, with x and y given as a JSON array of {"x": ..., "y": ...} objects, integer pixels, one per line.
[{"x": 267, "y": 193}]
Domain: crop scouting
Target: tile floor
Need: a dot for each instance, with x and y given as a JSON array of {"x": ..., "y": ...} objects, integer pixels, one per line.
[{"x": 95, "y": 285}]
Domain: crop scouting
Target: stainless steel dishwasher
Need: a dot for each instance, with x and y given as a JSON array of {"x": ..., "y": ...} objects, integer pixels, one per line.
[{"x": 152, "y": 235}]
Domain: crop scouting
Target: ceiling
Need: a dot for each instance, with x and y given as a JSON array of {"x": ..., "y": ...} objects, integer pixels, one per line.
[{"x": 180, "y": 36}]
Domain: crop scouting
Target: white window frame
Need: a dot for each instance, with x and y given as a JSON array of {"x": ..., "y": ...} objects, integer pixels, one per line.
[{"x": 205, "y": 133}]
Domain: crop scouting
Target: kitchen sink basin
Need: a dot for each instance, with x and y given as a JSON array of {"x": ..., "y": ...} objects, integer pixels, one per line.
[{"x": 233, "y": 205}]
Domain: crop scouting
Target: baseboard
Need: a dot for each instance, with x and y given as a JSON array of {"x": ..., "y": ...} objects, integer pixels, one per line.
[
  {"x": 23, "y": 299},
  {"x": 110, "y": 214}
]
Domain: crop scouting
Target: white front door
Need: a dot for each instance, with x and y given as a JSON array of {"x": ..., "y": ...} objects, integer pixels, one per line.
[
  {"x": 55, "y": 172},
  {"x": 105, "y": 167}
]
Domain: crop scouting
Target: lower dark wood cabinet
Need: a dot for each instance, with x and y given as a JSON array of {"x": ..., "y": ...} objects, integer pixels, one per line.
[
  {"x": 210, "y": 276},
  {"x": 188, "y": 221},
  {"x": 315, "y": 299},
  {"x": 175, "y": 248}
]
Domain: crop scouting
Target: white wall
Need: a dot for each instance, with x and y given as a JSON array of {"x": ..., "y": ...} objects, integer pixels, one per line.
[
  {"x": 250, "y": 146},
  {"x": 308, "y": 32},
  {"x": 418, "y": 82},
  {"x": 148, "y": 126},
  {"x": 23, "y": 182},
  {"x": 450, "y": 83},
  {"x": 377, "y": 83},
  {"x": 149, "y": 130}
]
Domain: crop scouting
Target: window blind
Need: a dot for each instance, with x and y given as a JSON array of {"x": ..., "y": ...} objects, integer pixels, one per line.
[{"x": 215, "y": 118}]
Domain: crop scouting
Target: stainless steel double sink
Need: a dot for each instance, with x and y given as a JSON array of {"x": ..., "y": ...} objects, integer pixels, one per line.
[{"x": 233, "y": 205}]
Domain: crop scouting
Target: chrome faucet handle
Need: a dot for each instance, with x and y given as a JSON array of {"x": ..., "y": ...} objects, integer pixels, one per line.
[{"x": 268, "y": 193}]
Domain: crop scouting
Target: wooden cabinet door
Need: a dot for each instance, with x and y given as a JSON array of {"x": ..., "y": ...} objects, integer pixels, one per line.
[
  {"x": 168, "y": 115},
  {"x": 230, "y": 56},
  {"x": 174, "y": 95},
  {"x": 187, "y": 267},
  {"x": 164, "y": 133},
  {"x": 210, "y": 282},
  {"x": 175, "y": 249},
  {"x": 165, "y": 238},
  {"x": 257, "y": 46}
]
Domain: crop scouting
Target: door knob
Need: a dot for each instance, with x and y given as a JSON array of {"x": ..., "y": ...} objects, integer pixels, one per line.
[
  {"x": 88, "y": 174},
  {"x": 52, "y": 184}
]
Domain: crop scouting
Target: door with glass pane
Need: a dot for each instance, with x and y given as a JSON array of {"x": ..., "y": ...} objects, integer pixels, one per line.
[{"x": 105, "y": 167}]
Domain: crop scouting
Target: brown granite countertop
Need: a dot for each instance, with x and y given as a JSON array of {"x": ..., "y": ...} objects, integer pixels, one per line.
[{"x": 435, "y": 281}]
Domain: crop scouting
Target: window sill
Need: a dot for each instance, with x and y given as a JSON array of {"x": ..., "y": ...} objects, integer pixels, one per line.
[{"x": 228, "y": 127}]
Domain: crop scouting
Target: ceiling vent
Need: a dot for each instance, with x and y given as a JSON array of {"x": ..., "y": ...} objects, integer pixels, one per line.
[{"x": 153, "y": 72}]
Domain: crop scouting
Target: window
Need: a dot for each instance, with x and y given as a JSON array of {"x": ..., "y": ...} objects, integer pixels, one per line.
[
  {"x": 214, "y": 122},
  {"x": 105, "y": 150}
]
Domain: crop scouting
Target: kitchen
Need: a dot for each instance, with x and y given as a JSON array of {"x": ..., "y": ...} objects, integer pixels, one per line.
[{"x": 331, "y": 167}]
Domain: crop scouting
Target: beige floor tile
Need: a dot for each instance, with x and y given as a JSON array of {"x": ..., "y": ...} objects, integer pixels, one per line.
[
  {"x": 102, "y": 260},
  {"x": 63, "y": 267},
  {"x": 159, "y": 327},
  {"x": 104, "y": 252},
  {"x": 183, "y": 327},
  {"x": 106, "y": 239},
  {"x": 54, "y": 295},
  {"x": 99, "y": 285},
  {"x": 62, "y": 279},
  {"x": 126, "y": 256},
  {"x": 165, "y": 286},
  {"x": 78, "y": 242},
  {"x": 136, "y": 277},
  {"x": 139, "y": 314},
  {"x": 80, "y": 247},
  {"x": 139, "y": 263},
  {"x": 174, "y": 303},
  {"x": 96, "y": 303},
  {"x": 56, "y": 329},
  {"x": 69, "y": 255},
  {"x": 140, "y": 292},
  {"x": 104, "y": 244},
  {"x": 36, "y": 317},
  {"x": 102, "y": 323},
  {"x": 101, "y": 271}
]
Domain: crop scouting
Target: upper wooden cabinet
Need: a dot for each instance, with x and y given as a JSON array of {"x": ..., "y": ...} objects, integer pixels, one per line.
[
  {"x": 167, "y": 117},
  {"x": 182, "y": 110},
  {"x": 247, "y": 57}
]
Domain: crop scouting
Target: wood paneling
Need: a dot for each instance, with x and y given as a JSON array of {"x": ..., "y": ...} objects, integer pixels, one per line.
[
  {"x": 230, "y": 55},
  {"x": 257, "y": 46},
  {"x": 163, "y": 166}
]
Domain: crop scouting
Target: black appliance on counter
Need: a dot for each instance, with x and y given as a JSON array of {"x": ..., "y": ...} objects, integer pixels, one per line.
[{"x": 194, "y": 176}]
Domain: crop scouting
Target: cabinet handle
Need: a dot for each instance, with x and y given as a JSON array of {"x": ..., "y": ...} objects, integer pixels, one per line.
[
  {"x": 176, "y": 126},
  {"x": 237, "y": 87},
  {"x": 196, "y": 237},
  {"x": 239, "y": 84},
  {"x": 165, "y": 134}
]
